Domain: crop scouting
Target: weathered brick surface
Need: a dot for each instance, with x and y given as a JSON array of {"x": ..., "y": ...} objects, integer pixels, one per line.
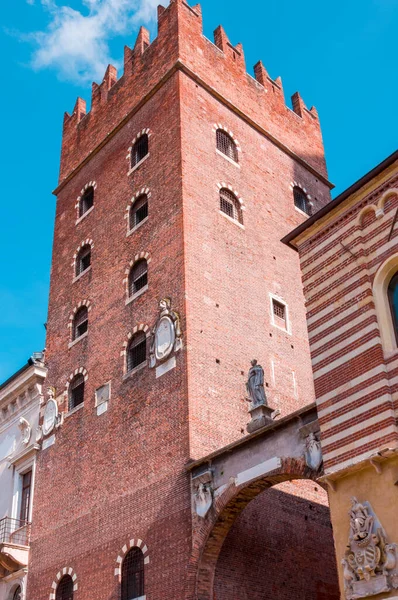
[{"x": 121, "y": 475}]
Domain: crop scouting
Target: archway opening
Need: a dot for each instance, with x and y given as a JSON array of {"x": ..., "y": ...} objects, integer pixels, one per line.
[{"x": 280, "y": 546}]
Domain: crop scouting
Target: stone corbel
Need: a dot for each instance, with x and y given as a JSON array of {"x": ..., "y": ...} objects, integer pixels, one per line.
[{"x": 202, "y": 491}]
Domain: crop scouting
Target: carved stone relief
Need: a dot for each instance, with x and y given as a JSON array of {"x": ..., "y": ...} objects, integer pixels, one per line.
[
  {"x": 313, "y": 452},
  {"x": 166, "y": 335},
  {"x": 25, "y": 429},
  {"x": 202, "y": 491},
  {"x": 370, "y": 563}
]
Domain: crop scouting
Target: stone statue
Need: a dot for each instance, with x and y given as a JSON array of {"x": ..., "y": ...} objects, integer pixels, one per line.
[{"x": 255, "y": 385}]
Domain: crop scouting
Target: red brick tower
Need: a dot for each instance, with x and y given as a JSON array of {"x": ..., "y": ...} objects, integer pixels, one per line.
[{"x": 179, "y": 183}]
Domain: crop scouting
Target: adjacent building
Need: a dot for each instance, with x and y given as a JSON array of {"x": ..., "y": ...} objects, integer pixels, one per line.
[
  {"x": 20, "y": 398},
  {"x": 349, "y": 260}
]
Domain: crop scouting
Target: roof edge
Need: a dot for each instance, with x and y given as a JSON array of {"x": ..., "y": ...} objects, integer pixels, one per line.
[{"x": 387, "y": 162}]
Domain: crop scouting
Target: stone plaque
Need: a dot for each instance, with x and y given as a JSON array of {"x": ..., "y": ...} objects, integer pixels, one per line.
[
  {"x": 50, "y": 416},
  {"x": 164, "y": 338}
]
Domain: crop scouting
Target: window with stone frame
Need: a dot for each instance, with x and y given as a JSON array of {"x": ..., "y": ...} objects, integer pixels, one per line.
[
  {"x": 132, "y": 584},
  {"x": 17, "y": 594},
  {"x": 279, "y": 314},
  {"x": 139, "y": 150},
  {"x": 26, "y": 493},
  {"x": 226, "y": 145},
  {"x": 138, "y": 277},
  {"x": 301, "y": 201},
  {"x": 138, "y": 211},
  {"x": 65, "y": 588},
  {"x": 86, "y": 201},
  {"x": 83, "y": 260},
  {"x": 392, "y": 291},
  {"x": 229, "y": 204},
  {"x": 80, "y": 323},
  {"x": 136, "y": 351},
  {"x": 76, "y": 391}
]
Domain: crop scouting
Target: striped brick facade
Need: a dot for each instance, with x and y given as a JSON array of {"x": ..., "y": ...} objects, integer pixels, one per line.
[{"x": 347, "y": 254}]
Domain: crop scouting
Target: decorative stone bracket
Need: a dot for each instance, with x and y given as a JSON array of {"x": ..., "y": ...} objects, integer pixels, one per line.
[{"x": 202, "y": 491}]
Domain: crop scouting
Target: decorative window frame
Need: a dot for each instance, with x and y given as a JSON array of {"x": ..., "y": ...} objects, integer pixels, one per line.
[
  {"x": 83, "y": 371},
  {"x": 128, "y": 546},
  {"x": 228, "y": 186},
  {"x": 143, "y": 192},
  {"x": 136, "y": 258},
  {"x": 60, "y": 574},
  {"x": 288, "y": 328},
  {"x": 296, "y": 184},
  {"x": 231, "y": 135},
  {"x": 87, "y": 242},
  {"x": 141, "y": 327},
  {"x": 383, "y": 310},
  {"x": 92, "y": 184},
  {"x": 86, "y": 303},
  {"x": 131, "y": 169}
]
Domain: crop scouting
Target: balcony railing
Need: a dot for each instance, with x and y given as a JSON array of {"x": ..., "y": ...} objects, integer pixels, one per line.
[{"x": 14, "y": 531}]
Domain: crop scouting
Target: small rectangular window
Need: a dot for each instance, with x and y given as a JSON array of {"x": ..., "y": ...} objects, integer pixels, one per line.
[{"x": 279, "y": 314}]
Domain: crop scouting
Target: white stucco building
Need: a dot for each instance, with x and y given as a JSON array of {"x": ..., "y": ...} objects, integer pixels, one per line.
[{"x": 20, "y": 398}]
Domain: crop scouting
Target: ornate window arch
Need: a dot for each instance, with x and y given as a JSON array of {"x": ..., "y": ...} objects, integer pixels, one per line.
[
  {"x": 82, "y": 257},
  {"x": 136, "y": 275},
  {"x": 230, "y": 204},
  {"x": 226, "y": 144},
  {"x": 131, "y": 544},
  {"x": 137, "y": 209},
  {"x": 139, "y": 149},
  {"x": 66, "y": 572},
  {"x": 85, "y": 201},
  {"x": 385, "y": 294}
]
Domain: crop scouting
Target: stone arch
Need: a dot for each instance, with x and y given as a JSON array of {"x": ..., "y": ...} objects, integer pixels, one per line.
[
  {"x": 81, "y": 370},
  {"x": 217, "y": 126},
  {"x": 227, "y": 186},
  {"x": 141, "y": 255},
  {"x": 87, "y": 242},
  {"x": 383, "y": 199},
  {"x": 92, "y": 184},
  {"x": 380, "y": 285},
  {"x": 60, "y": 574},
  {"x": 211, "y": 532},
  {"x": 365, "y": 212},
  {"x": 130, "y": 544}
]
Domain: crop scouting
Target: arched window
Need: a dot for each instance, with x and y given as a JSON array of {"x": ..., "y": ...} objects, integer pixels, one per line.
[
  {"x": 138, "y": 277},
  {"x": 133, "y": 575},
  {"x": 83, "y": 259},
  {"x": 17, "y": 594},
  {"x": 301, "y": 200},
  {"x": 80, "y": 323},
  {"x": 136, "y": 351},
  {"x": 65, "y": 588},
  {"x": 76, "y": 391},
  {"x": 393, "y": 299},
  {"x": 229, "y": 204},
  {"x": 138, "y": 211},
  {"x": 86, "y": 201},
  {"x": 226, "y": 145},
  {"x": 139, "y": 150}
]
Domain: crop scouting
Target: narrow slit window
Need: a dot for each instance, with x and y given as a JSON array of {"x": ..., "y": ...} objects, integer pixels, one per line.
[
  {"x": 226, "y": 145},
  {"x": 229, "y": 204},
  {"x": 139, "y": 150},
  {"x": 133, "y": 575},
  {"x": 25, "y": 496},
  {"x": 86, "y": 201},
  {"x": 76, "y": 391},
  {"x": 279, "y": 314},
  {"x": 301, "y": 200},
  {"x": 139, "y": 211},
  {"x": 65, "y": 588},
  {"x": 138, "y": 278},
  {"x": 83, "y": 259},
  {"x": 136, "y": 351},
  {"x": 80, "y": 322}
]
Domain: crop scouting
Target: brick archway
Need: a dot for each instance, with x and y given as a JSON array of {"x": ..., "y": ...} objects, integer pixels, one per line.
[{"x": 209, "y": 534}]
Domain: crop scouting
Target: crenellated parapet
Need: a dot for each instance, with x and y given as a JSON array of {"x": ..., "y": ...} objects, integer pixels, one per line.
[{"x": 219, "y": 67}]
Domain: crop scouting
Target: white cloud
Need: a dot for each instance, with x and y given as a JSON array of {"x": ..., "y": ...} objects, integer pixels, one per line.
[{"x": 76, "y": 45}]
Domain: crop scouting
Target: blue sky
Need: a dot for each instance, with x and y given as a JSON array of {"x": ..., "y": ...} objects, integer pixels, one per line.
[{"x": 340, "y": 55}]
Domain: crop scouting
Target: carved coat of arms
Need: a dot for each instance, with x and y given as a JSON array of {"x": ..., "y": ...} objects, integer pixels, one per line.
[
  {"x": 166, "y": 334},
  {"x": 369, "y": 564}
]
